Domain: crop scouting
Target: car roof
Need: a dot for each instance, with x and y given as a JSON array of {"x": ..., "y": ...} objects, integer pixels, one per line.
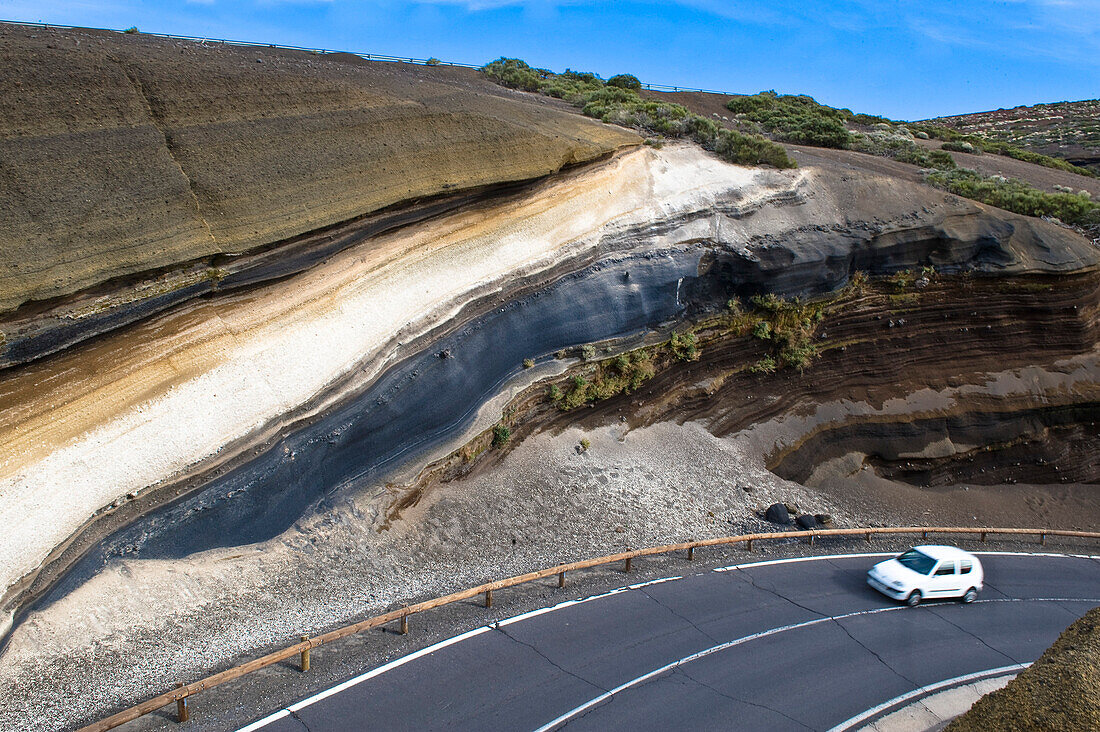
[{"x": 939, "y": 551}]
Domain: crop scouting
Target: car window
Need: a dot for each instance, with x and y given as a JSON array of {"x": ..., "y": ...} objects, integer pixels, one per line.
[
  {"x": 948, "y": 568},
  {"x": 918, "y": 562},
  {"x": 966, "y": 566}
]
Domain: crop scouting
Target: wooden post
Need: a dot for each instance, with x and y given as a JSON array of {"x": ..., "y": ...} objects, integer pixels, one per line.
[
  {"x": 983, "y": 536},
  {"x": 811, "y": 538},
  {"x": 561, "y": 579},
  {"x": 1043, "y": 539},
  {"x": 924, "y": 534},
  {"x": 182, "y": 715},
  {"x": 749, "y": 544},
  {"x": 868, "y": 537},
  {"x": 404, "y": 625},
  {"x": 488, "y": 598},
  {"x": 305, "y": 654},
  {"x": 626, "y": 566},
  {"x": 691, "y": 554}
]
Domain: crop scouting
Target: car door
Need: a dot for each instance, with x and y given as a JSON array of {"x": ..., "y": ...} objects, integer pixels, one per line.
[{"x": 945, "y": 579}]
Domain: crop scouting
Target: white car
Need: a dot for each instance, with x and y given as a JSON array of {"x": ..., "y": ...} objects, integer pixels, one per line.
[{"x": 928, "y": 572}]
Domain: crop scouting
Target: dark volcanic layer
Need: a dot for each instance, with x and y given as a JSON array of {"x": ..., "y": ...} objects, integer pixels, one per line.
[{"x": 427, "y": 398}]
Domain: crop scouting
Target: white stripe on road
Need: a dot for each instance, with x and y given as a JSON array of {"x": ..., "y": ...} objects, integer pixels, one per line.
[
  {"x": 756, "y": 636},
  {"x": 361, "y": 678},
  {"x": 771, "y": 562},
  {"x": 438, "y": 646},
  {"x": 925, "y": 690}
]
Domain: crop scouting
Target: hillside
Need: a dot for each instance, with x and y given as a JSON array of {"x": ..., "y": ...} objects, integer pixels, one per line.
[
  {"x": 1068, "y": 130},
  {"x": 293, "y": 338},
  {"x": 132, "y": 163}
]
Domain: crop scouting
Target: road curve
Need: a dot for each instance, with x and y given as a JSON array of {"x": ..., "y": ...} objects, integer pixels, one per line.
[{"x": 792, "y": 644}]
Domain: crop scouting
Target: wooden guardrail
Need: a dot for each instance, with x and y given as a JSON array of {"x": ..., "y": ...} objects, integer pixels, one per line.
[{"x": 180, "y": 694}]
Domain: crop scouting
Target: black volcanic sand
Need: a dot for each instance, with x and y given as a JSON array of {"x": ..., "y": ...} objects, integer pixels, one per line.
[{"x": 413, "y": 407}]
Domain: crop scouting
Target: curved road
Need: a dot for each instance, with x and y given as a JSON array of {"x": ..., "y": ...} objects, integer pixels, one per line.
[{"x": 794, "y": 644}]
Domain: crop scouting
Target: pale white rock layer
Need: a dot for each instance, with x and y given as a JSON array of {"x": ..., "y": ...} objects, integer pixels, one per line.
[{"x": 339, "y": 316}]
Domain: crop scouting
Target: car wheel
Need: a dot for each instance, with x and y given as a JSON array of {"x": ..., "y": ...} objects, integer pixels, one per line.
[
  {"x": 970, "y": 596},
  {"x": 914, "y": 598}
]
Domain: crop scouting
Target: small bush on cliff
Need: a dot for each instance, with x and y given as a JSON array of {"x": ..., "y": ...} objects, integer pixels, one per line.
[
  {"x": 625, "y": 81},
  {"x": 765, "y": 365},
  {"x": 131, "y": 30},
  {"x": 501, "y": 435},
  {"x": 683, "y": 346},
  {"x": 433, "y": 61},
  {"x": 515, "y": 73},
  {"x": 797, "y": 119}
]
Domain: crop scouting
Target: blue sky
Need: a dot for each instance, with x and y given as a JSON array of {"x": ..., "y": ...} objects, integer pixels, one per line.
[{"x": 906, "y": 60}]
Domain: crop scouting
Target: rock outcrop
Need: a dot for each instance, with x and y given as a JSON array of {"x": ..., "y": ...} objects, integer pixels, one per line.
[
  {"x": 327, "y": 294},
  {"x": 130, "y": 163}
]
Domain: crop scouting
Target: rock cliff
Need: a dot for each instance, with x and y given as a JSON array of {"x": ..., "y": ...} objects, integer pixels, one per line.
[
  {"x": 332, "y": 299},
  {"x": 131, "y": 162}
]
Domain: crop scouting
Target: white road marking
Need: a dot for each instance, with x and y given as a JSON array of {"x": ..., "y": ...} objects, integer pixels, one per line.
[
  {"x": 924, "y": 691},
  {"x": 770, "y": 562},
  {"x": 756, "y": 636},
  {"x": 361, "y": 678}
]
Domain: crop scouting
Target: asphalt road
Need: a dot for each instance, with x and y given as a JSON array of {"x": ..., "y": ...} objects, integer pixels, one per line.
[{"x": 802, "y": 644}]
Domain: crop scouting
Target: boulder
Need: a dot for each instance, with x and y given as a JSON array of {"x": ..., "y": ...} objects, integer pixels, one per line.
[
  {"x": 807, "y": 521},
  {"x": 777, "y": 513}
]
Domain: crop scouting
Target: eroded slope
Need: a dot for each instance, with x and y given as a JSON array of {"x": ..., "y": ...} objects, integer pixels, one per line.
[{"x": 126, "y": 155}]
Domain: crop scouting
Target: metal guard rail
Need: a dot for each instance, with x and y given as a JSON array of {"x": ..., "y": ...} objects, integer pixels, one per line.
[
  {"x": 367, "y": 56},
  {"x": 302, "y": 648}
]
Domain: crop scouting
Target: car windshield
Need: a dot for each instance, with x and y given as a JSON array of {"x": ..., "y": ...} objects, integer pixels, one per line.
[{"x": 919, "y": 563}]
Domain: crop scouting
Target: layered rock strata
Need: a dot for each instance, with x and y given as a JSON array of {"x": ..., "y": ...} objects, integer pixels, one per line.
[
  {"x": 137, "y": 170},
  {"x": 260, "y": 405}
]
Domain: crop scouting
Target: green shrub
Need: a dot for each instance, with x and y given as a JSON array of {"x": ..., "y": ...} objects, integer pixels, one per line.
[
  {"x": 941, "y": 160},
  {"x": 433, "y": 61},
  {"x": 683, "y": 346},
  {"x": 131, "y": 30},
  {"x": 797, "y": 119},
  {"x": 501, "y": 435},
  {"x": 959, "y": 146},
  {"x": 765, "y": 365},
  {"x": 1018, "y": 197},
  {"x": 619, "y": 103},
  {"x": 514, "y": 73},
  {"x": 762, "y": 329},
  {"x": 769, "y": 302},
  {"x": 798, "y": 355},
  {"x": 625, "y": 81}
]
